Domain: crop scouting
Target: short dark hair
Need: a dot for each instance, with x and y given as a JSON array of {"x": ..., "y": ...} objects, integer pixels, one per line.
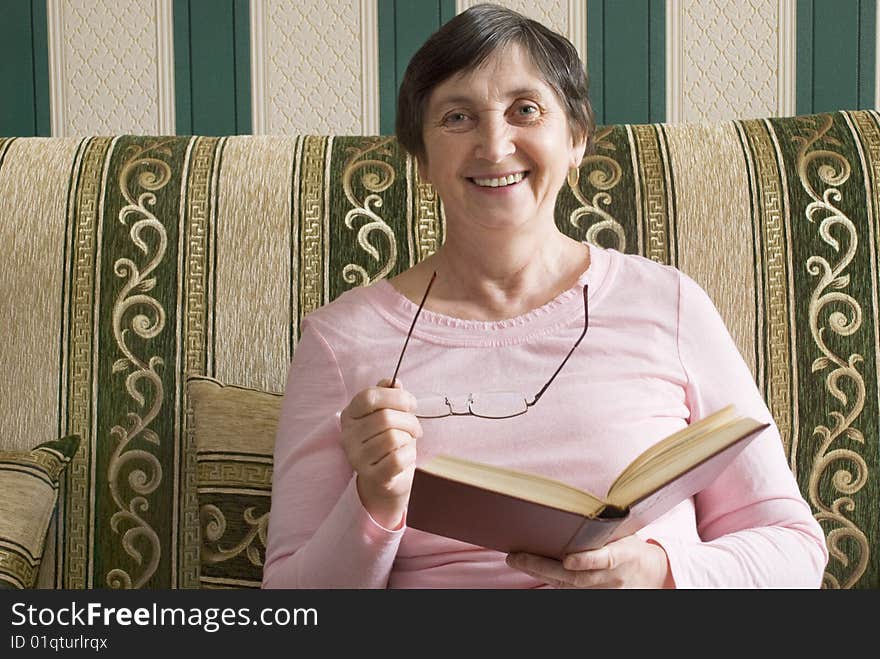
[{"x": 467, "y": 41}]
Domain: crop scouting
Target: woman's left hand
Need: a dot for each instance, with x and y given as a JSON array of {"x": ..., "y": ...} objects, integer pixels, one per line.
[{"x": 626, "y": 563}]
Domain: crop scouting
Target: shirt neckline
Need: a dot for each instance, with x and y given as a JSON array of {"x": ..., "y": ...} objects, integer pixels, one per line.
[{"x": 567, "y": 307}]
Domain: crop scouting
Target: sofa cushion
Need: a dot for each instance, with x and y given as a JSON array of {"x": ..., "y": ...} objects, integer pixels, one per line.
[
  {"x": 232, "y": 430},
  {"x": 29, "y": 483}
]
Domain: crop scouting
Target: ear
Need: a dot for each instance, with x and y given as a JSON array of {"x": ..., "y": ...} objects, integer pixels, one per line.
[{"x": 577, "y": 152}]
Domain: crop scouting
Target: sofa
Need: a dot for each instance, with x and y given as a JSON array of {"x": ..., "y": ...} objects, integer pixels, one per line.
[{"x": 153, "y": 290}]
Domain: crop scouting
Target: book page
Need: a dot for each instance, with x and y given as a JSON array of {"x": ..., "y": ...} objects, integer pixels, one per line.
[
  {"x": 686, "y": 436},
  {"x": 679, "y": 458}
]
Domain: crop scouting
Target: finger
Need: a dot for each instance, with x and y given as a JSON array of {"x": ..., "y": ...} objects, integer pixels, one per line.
[
  {"x": 376, "y": 398},
  {"x": 594, "y": 559},
  {"x": 395, "y": 463},
  {"x": 381, "y": 445},
  {"x": 538, "y": 566},
  {"x": 380, "y": 421},
  {"x": 555, "y": 574},
  {"x": 387, "y": 382},
  {"x": 536, "y": 570}
]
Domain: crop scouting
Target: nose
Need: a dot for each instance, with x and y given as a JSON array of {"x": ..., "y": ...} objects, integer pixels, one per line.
[{"x": 494, "y": 139}]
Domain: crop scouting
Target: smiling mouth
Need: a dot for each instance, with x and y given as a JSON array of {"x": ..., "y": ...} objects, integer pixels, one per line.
[{"x": 500, "y": 182}]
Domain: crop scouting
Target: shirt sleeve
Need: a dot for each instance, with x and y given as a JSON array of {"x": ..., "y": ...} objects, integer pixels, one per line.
[
  {"x": 320, "y": 535},
  {"x": 756, "y": 530}
]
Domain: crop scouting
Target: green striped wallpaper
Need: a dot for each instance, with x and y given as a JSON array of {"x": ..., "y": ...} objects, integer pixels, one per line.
[
  {"x": 403, "y": 27},
  {"x": 24, "y": 69},
  {"x": 212, "y": 78},
  {"x": 626, "y": 60},
  {"x": 836, "y": 46},
  {"x": 626, "y": 54}
]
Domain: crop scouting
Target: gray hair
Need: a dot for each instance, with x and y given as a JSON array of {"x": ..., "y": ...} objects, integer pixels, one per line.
[{"x": 465, "y": 42}]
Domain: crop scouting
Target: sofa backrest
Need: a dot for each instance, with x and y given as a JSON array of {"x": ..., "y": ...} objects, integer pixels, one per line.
[{"x": 131, "y": 262}]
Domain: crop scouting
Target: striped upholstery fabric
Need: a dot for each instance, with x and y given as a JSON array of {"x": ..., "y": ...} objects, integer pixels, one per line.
[{"x": 130, "y": 262}]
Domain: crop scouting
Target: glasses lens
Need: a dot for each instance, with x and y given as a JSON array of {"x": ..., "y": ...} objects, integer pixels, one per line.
[
  {"x": 431, "y": 406},
  {"x": 498, "y": 404}
]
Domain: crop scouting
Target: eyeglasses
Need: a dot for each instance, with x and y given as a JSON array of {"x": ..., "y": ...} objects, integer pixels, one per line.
[{"x": 490, "y": 405}]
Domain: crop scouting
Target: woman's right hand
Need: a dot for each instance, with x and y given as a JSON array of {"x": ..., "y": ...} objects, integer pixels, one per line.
[{"x": 379, "y": 433}]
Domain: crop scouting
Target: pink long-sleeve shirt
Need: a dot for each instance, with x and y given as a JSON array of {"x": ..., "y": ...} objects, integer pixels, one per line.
[{"x": 656, "y": 357}]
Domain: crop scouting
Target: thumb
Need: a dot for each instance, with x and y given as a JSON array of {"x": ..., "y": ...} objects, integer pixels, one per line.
[{"x": 386, "y": 382}]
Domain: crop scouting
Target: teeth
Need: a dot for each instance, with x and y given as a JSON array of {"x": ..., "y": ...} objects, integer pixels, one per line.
[{"x": 500, "y": 182}]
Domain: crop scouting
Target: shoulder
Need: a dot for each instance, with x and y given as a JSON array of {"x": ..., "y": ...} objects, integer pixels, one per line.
[
  {"x": 351, "y": 308},
  {"x": 653, "y": 278},
  {"x": 635, "y": 284},
  {"x": 637, "y": 269},
  {"x": 355, "y": 315}
]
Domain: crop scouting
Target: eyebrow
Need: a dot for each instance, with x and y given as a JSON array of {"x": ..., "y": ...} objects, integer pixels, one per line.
[{"x": 460, "y": 98}]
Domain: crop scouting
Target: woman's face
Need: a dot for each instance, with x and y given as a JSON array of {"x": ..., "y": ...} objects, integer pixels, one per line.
[{"x": 498, "y": 144}]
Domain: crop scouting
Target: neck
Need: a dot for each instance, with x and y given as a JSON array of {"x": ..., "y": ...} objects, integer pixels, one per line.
[{"x": 495, "y": 275}]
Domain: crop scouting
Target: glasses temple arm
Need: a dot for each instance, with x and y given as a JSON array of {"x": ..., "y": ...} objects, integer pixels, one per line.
[
  {"x": 570, "y": 352},
  {"x": 409, "y": 334}
]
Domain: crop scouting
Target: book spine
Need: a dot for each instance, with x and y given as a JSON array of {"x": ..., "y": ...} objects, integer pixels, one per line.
[{"x": 591, "y": 534}]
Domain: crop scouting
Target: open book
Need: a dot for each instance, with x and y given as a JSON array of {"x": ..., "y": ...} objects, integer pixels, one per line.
[{"x": 512, "y": 511}]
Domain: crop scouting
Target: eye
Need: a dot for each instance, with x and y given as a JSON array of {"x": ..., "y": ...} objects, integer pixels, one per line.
[
  {"x": 455, "y": 119},
  {"x": 526, "y": 112}
]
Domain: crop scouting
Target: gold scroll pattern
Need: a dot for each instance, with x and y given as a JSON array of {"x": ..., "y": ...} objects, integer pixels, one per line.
[
  {"x": 770, "y": 206},
  {"x": 80, "y": 360},
  {"x": 136, "y": 312},
  {"x": 254, "y": 475},
  {"x": 844, "y": 320},
  {"x": 214, "y": 526},
  {"x": 603, "y": 173},
  {"x": 376, "y": 176}
]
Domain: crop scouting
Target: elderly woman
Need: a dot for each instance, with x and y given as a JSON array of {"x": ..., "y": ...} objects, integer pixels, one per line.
[{"x": 495, "y": 108}]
